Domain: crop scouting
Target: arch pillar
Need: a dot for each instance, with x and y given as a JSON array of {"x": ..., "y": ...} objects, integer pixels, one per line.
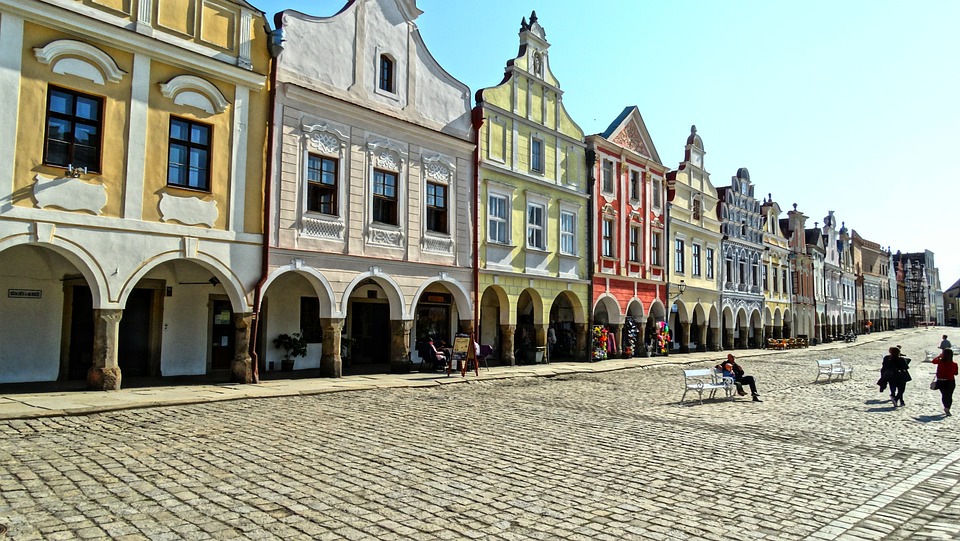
[
  {"x": 684, "y": 337},
  {"x": 581, "y": 329},
  {"x": 743, "y": 341},
  {"x": 104, "y": 374},
  {"x": 506, "y": 344},
  {"x": 241, "y": 368},
  {"x": 728, "y": 338},
  {"x": 400, "y": 345},
  {"x": 331, "y": 364}
]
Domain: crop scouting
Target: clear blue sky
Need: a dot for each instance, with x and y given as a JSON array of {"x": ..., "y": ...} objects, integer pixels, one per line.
[{"x": 850, "y": 106}]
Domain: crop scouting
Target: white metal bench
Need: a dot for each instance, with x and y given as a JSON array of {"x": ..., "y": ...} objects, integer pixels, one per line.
[
  {"x": 831, "y": 368},
  {"x": 706, "y": 380}
]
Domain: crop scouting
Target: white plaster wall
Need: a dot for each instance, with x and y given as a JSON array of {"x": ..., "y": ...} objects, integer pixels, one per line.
[
  {"x": 36, "y": 358},
  {"x": 283, "y": 306},
  {"x": 320, "y": 50},
  {"x": 184, "y": 340}
]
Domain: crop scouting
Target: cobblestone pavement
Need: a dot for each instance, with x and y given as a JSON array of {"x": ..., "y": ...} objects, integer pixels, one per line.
[{"x": 574, "y": 457}]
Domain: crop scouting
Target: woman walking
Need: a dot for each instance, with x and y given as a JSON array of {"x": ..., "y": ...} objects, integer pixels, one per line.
[
  {"x": 896, "y": 371},
  {"x": 946, "y": 378}
]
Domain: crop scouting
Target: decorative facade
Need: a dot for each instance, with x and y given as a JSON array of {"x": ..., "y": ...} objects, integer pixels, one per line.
[
  {"x": 742, "y": 298},
  {"x": 802, "y": 284},
  {"x": 873, "y": 285},
  {"x": 629, "y": 210},
  {"x": 833, "y": 294},
  {"x": 370, "y": 238},
  {"x": 131, "y": 195},
  {"x": 694, "y": 239},
  {"x": 817, "y": 253},
  {"x": 775, "y": 274},
  {"x": 533, "y": 253}
]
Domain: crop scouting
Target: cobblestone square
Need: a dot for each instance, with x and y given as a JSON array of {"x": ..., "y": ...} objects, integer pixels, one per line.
[{"x": 582, "y": 456}]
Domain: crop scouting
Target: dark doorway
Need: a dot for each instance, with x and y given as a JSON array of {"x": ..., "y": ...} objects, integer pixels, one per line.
[
  {"x": 370, "y": 330},
  {"x": 223, "y": 334},
  {"x": 133, "y": 348},
  {"x": 81, "y": 333}
]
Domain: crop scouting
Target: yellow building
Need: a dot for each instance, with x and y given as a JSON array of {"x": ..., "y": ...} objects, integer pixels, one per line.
[
  {"x": 533, "y": 251},
  {"x": 776, "y": 274},
  {"x": 131, "y": 187}
]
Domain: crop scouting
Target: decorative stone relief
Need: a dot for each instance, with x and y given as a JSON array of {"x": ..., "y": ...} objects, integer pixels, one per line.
[
  {"x": 69, "y": 193},
  {"x": 188, "y": 210},
  {"x": 326, "y": 229},
  {"x": 442, "y": 245},
  {"x": 388, "y": 160},
  {"x": 385, "y": 237},
  {"x": 630, "y": 137},
  {"x": 82, "y": 60},
  {"x": 195, "y": 92},
  {"x": 324, "y": 142}
]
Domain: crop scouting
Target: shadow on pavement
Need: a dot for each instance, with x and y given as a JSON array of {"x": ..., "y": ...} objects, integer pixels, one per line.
[{"x": 929, "y": 418}]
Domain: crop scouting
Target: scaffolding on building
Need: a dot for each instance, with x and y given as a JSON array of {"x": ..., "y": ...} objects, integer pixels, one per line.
[{"x": 915, "y": 283}]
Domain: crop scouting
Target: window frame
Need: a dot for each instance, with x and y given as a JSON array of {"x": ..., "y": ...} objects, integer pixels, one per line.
[
  {"x": 636, "y": 246},
  {"x": 636, "y": 180},
  {"x": 504, "y": 220},
  {"x": 679, "y": 260},
  {"x": 72, "y": 118},
  {"x": 386, "y": 76},
  {"x": 695, "y": 266},
  {"x": 442, "y": 213},
  {"x": 655, "y": 246},
  {"x": 539, "y": 228},
  {"x": 606, "y": 175},
  {"x": 568, "y": 236},
  {"x": 320, "y": 185},
  {"x": 656, "y": 199},
  {"x": 190, "y": 146},
  {"x": 384, "y": 199},
  {"x": 540, "y": 156},
  {"x": 608, "y": 238},
  {"x": 710, "y": 254}
]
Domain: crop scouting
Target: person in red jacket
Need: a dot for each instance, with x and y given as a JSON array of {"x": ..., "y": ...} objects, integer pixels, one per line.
[{"x": 946, "y": 378}]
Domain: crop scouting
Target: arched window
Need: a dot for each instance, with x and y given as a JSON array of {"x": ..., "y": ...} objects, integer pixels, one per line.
[{"x": 386, "y": 74}]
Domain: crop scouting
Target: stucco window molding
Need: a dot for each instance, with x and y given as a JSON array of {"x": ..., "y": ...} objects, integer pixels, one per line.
[
  {"x": 440, "y": 170},
  {"x": 188, "y": 210},
  {"x": 386, "y": 155},
  {"x": 324, "y": 139},
  {"x": 69, "y": 193},
  {"x": 195, "y": 92},
  {"x": 71, "y": 57}
]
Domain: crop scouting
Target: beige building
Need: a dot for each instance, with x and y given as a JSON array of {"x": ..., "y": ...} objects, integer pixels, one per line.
[
  {"x": 130, "y": 188},
  {"x": 776, "y": 274},
  {"x": 370, "y": 236}
]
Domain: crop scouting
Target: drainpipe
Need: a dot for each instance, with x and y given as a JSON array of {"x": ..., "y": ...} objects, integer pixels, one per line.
[
  {"x": 591, "y": 158},
  {"x": 477, "y": 124},
  {"x": 275, "y": 45}
]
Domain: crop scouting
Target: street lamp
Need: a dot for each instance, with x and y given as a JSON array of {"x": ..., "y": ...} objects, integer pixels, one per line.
[{"x": 681, "y": 287}]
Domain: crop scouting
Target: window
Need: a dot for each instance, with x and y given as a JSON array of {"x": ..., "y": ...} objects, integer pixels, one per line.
[
  {"x": 536, "y": 155},
  {"x": 695, "y": 260},
  {"x": 635, "y": 185},
  {"x": 568, "y": 232},
  {"x": 635, "y": 244},
  {"x": 322, "y": 184},
  {"x": 188, "y": 162},
  {"x": 386, "y": 74},
  {"x": 436, "y": 207},
  {"x": 74, "y": 123},
  {"x": 679, "y": 260},
  {"x": 755, "y": 274},
  {"x": 775, "y": 281},
  {"x": 385, "y": 197},
  {"x": 710, "y": 263},
  {"x": 310, "y": 320},
  {"x": 784, "y": 279},
  {"x": 535, "y": 218},
  {"x": 607, "y": 175},
  {"x": 657, "y": 187},
  {"x": 655, "y": 249},
  {"x": 498, "y": 226},
  {"x": 607, "y": 238},
  {"x": 697, "y": 211},
  {"x": 742, "y": 276}
]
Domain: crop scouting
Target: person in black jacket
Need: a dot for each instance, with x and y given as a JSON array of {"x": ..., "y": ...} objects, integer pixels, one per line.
[
  {"x": 895, "y": 370},
  {"x": 733, "y": 370}
]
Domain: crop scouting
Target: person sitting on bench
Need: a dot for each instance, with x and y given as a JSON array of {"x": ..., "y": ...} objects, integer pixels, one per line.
[{"x": 733, "y": 370}]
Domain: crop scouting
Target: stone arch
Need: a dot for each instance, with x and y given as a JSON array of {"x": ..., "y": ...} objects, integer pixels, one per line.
[
  {"x": 77, "y": 256},
  {"x": 682, "y": 312},
  {"x": 608, "y": 303},
  {"x": 390, "y": 287},
  {"x": 316, "y": 279},
  {"x": 574, "y": 301},
  {"x": 635, "y": 309},
  {"x": 657, "y": 310},
  {"x": 72, "y": 57},
  {"x": 714, "y": 317},
  {"x": 729, "y": 318},
  {"x": 777, "y": 317},
  {"x": 767, "y": 316},
  {"x": 536, "y": 302},
  {"x": 461, "y": 296},
  {"x": 231, "y": 284},
  {"x": 503, "y": 303}
]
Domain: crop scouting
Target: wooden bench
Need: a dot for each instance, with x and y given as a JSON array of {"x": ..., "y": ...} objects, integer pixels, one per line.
[
  {"x": 831, "y": 368},
  {"x": 706, "y": 380}
]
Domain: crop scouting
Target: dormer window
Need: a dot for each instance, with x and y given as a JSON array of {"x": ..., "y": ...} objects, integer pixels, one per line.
[{"x": 386, "y": 79}]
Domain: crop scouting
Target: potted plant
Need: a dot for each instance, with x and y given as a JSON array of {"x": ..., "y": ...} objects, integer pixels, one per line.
[{"x": 294, "y": 345}]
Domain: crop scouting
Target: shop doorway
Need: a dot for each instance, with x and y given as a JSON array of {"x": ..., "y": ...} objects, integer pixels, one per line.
[{"x": 223, "y": 333}]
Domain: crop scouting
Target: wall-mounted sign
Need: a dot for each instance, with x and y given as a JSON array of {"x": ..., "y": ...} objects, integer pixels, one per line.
[{"x": 24, "y": 293}]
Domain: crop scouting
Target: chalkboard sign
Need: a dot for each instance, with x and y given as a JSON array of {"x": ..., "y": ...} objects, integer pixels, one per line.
[{"x": 461, "y": 344}]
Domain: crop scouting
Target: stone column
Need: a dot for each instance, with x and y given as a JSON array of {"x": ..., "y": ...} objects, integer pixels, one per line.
[
  {"x": 785, "y": 331},
  {"x": 777, "y": 332},
  {"x": 702, "y": 331},
  {"x": 331, "y": 365},
  {"x": 684, "y": 337},
  {"x": 744, "y": 340},
  {"x": 506, "y": 344},
  {"x": 581, "y": 348},
  {"x": 541, "y": 331},
  {"x": 104, "y": 374},
  {"x": 466, "y": 327},
  {"x": 728, "y": 339},
  {"x": 400, "y": 345},
  {"x": 241, "y": 368}
]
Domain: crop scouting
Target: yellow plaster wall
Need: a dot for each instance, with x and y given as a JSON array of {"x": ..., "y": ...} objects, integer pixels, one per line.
[
  {"x": 156, "y": 153},
  {"x": 35, "y": 79},
  {"x": 218, "y": 25},
  {"x": 548, "y": 290},
  {"x": 120, "y": 6}
]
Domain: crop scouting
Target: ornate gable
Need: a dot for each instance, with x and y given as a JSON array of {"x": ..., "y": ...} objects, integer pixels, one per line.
[
  {"x": 629, "y": 132},
  {"x": 631, "y": 139}
]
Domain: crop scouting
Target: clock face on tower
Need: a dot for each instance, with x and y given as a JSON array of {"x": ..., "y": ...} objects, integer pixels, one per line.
[{"x": 696, "y": 158}]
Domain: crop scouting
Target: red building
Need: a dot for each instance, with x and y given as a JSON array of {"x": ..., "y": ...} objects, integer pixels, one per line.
[{"x": 629, "y": 222}]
